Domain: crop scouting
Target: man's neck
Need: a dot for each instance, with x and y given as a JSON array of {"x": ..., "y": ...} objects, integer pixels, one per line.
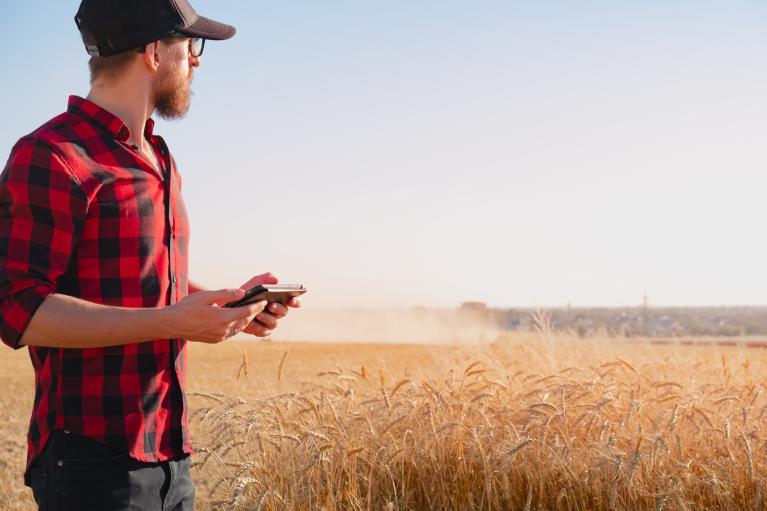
[{"x": 130, "y": 103}]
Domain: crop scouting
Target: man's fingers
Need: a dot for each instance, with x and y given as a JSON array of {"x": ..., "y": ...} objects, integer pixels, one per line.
[
  {"x": 257, "y": 308},
  {"x": 294, "y": 302},
  {"x": 264, "y": 278},
  {"x": 267, "y": 319},
  {"x": 277, "y": 310},
  {"x": 248, "y": 311},
  {"x": 267, "y": 278},
  {"x": 258, "y": 329}
]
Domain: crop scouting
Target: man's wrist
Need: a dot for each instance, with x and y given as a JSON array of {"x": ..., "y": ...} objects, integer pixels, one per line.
[{"x": 164, "y": 319}]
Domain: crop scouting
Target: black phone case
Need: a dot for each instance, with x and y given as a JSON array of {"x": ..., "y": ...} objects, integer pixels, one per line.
[{"x": 272, "y": 294}]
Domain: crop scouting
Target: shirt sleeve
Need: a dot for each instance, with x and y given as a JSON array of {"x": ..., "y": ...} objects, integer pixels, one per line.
[{"x": 42, "y": 212}]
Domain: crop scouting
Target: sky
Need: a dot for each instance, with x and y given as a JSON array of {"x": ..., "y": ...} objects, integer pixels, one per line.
[{"x": 400, "y": 153}]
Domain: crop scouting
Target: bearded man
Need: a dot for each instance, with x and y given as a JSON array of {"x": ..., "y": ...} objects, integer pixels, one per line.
[{"x": 93, "y": 270}]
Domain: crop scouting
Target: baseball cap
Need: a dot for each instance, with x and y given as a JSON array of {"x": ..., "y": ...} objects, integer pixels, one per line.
[{"x": 109, "y": 27}]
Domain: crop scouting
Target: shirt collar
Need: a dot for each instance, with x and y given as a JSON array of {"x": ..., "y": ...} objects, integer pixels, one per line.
[{"x": 105, "y": 119}]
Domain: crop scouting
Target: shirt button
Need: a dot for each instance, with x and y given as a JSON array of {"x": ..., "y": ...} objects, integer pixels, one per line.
[{"x": 173, "y": 278}]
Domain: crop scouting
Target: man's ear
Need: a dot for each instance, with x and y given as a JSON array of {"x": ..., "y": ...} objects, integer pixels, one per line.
[{"x": 152, "y": 55}]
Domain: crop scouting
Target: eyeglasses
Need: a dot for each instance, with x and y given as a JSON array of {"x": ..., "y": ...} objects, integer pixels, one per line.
[{"x": 196, "y": 44}]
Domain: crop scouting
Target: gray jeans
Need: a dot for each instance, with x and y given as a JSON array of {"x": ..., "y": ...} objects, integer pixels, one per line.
[{"x": 79, "y": 473}]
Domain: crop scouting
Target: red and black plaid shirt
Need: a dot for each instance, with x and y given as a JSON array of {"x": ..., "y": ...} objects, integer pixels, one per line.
[{"x": 82, "y": 214}]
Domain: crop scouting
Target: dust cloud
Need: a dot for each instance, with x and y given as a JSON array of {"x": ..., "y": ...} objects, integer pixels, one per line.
[{"x": 394, "y": 325}]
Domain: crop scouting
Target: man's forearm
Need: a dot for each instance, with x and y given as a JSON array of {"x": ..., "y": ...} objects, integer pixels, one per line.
[{"x": 64, "y": 321}]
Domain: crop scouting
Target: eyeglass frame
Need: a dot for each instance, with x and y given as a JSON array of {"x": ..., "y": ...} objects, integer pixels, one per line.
[{"x": 191, "y": 40}]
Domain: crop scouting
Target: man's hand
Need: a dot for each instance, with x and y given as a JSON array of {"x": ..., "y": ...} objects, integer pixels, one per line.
[
  {"x": 201, "y": 317},
  {"x": 267, "y": 320}
]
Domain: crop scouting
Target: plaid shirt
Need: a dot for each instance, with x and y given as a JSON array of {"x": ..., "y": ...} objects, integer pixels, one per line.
[{"x": 83, "y": 214}]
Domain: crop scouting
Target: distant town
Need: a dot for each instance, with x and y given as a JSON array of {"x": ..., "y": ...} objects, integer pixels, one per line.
[{"x": 642, "y": 320}]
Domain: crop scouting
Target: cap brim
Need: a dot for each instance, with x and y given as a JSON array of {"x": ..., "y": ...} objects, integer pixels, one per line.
[{"x": 209, "y": 29}]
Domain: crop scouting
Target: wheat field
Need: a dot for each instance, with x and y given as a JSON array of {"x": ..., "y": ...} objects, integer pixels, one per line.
[{"x": 530, "y": 422}]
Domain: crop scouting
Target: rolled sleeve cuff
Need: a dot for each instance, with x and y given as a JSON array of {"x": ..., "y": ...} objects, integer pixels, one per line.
[{"x": 17, "y": 310}]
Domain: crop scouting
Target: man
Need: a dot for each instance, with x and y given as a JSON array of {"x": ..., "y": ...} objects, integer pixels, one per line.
[{"x": 93, "y": 270}]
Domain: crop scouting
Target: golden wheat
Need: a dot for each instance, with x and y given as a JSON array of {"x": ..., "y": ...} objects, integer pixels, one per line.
[
  {"x": 498, "y": 431},
  {"x": 541, "y": 421}
]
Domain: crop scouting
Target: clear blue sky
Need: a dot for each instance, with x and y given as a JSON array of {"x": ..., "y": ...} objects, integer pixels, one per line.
[{"x": 430, "y": 152}]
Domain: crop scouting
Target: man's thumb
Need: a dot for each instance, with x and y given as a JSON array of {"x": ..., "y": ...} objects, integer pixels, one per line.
[{"x": 223, "y": 296}]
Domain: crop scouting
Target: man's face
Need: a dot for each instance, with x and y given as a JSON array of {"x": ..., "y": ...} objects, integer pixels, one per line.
[{"x": 172, "y": 93}]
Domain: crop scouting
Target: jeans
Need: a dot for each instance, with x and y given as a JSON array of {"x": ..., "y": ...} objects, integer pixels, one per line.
[{"x": 78, "y": 473}]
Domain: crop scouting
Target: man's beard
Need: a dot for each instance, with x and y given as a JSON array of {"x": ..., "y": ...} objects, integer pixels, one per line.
[{"x": 172, "y": 94}]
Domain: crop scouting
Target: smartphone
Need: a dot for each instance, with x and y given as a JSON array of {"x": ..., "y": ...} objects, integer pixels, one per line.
[{"x": 279, "y": 293}]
